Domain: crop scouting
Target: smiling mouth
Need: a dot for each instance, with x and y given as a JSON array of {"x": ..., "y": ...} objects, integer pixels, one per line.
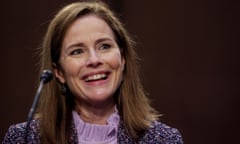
[{"x": 96, "y": 77}]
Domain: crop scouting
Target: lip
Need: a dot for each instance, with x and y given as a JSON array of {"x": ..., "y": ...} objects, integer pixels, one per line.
[{"x": 96, "y": 72}]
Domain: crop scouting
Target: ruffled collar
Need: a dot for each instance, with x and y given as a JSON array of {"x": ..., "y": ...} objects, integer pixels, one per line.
[{"x": 97, "y": 133}]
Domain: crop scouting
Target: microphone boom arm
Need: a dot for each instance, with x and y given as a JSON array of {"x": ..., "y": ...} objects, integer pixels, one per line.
[{"x": 45, "y": 78}]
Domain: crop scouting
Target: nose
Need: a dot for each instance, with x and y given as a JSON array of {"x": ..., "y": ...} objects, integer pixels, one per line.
[{"x": 94, "y": 59}]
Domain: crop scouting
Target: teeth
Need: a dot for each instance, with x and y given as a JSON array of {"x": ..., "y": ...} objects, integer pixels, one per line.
[{"x": 95, "y": 77}]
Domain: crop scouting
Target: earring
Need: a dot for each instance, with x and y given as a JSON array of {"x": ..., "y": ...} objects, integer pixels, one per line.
[{"x": 63, "y": 89}]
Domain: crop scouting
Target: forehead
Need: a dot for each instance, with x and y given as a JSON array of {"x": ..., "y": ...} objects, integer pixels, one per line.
[{"x": 88, "y": 24}]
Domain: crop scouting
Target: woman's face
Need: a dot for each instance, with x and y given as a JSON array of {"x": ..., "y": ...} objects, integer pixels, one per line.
[{"x": 90, "y": 61}]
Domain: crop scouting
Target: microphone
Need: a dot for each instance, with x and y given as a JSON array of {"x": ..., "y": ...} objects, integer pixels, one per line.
[{"x": 45, "y": 77}]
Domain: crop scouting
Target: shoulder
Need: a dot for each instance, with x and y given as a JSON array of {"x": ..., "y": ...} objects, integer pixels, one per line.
[
  {"x": 16, "y": 133},
  {"x": 160, "y": 133}
]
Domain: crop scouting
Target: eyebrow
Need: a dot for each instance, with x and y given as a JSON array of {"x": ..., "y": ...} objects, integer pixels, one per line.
[
  {"x": 81, "y": 44},
  {"x": 75, "y": 45},
  {"x": 103, "y": 39}
]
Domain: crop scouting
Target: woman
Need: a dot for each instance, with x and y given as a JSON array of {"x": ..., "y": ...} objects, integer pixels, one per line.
[{"x": 96, "y": 95}]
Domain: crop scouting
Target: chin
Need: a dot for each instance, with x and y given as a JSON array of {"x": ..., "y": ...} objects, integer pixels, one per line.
[{"x": 100, "y": 98}]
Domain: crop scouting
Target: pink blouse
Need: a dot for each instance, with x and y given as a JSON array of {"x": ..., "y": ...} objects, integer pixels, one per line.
[{"x": 97, "y": 134}]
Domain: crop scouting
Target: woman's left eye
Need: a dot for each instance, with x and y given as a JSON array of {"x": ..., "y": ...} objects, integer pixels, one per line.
[{"x": 105, "y": 46}]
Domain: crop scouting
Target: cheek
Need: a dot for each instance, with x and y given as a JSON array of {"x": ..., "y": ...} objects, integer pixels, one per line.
[
  {"x": 71, "y": 67},
  {"x": 115, "y": 60}
]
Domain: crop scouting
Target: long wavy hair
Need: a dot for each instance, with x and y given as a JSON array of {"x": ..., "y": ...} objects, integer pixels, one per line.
[{"x": 55, "y": 110}]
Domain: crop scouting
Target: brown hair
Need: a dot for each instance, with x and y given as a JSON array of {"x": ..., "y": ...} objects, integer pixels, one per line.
[{"x": 56, "y": 110}]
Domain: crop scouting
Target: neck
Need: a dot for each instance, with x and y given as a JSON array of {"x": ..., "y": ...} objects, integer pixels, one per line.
[{"x": 94, "y": 113}]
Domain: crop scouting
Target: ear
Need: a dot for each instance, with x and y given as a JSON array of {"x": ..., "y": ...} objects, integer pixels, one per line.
[
  {"x": 123, "y": 59},
  {"x": 58, "y": 73},
  {"x": 123, "y": 63}
]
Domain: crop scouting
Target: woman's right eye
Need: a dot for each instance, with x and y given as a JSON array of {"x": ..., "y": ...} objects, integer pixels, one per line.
[{"x": 76, "y": 52}]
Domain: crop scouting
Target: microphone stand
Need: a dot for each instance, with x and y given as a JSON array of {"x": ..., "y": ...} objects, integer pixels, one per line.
[{"x": 45, "y": 78}]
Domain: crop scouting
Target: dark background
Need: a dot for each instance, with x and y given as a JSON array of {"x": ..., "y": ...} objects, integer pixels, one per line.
[{"x": 190, "y": 61}]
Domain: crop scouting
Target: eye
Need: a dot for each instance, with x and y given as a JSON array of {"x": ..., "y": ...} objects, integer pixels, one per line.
[
  {"x": 105, "y": 46},
  {"x": 76, "y": 52}
]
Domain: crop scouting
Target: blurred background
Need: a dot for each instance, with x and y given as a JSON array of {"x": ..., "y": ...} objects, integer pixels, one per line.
[{"x": 189, "y": 53}]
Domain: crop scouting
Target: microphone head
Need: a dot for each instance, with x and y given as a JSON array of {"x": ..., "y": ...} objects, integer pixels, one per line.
[{"x": 46, "y": 76}]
